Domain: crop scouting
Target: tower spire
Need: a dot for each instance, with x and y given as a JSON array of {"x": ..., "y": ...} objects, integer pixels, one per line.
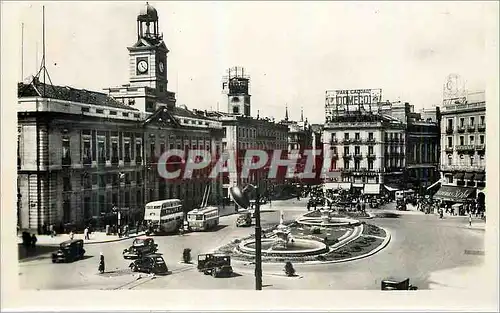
[
  {"x": 301, "y": 114},
  {"x": 286, "y": 112}
]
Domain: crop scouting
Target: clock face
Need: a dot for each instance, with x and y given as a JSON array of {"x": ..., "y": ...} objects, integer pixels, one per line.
[
  {"x": 161, "y": 67},
  {"x": 142, "y": 66}
]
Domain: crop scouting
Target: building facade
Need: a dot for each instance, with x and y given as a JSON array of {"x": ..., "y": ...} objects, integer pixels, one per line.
[
  {"x": 300, "y": 138},
  {"x": 422, "y": 143},
  {"x": 83, "y": 155},
  {"x": 463, "y": 146},
  {"x": 366, "y": 151}
]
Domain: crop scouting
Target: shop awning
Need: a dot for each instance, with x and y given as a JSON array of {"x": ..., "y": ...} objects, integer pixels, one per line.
[
  {"x": 332, "y": 186},
  {"x": 391, "y": 188},
  {"x": 469, "y": 176},
  {"x": 346, "y": 186},
  {"x": 479, "y": 177},
  {"x": 454, "y": 193},
  {"x": 434, "y": 185},
  {"x": 459, "y": 175},
  {"x": 372, "y": 189}
]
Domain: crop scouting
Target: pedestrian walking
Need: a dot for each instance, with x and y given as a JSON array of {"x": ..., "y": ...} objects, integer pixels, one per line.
[
  {"x": 33, "y": 241},
  {"x": 102, "y": 266},
  {"x": 71, "y": 235},
  {"x": 470, "y": 219},
  {"x": 86, "y": 233},
  {"x": 52, "y": 231}
]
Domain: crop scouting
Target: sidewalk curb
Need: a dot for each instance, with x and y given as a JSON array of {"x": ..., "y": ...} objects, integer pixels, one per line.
[
  {"x": 114, "y": 240},
  {"x": 86, "y": 242}
]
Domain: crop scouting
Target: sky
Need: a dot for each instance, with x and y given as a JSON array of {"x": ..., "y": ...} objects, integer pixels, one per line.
[{"x": 293, "y": 51}]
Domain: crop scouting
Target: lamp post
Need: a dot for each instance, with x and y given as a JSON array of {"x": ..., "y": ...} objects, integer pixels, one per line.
[{"x": 240, "y": 197}]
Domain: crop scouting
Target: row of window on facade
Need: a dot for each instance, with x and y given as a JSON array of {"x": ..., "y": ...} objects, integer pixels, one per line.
[
  {"x": 111, "y": 112},
  {"x": 357, "y": 137},
  {"x": 243, "y": 132},
  {"x": 195, "y": 122},
  {"x": 357, "y": 151},
  {"x": 462, "y": 142},
  {"x": 467, "y": 160},
  {"x": 472, "y": 122},
  {"x": 116, "y": 152},
  {"x": 389, "y": 164},
  {"x": 465, "y": 182},
  {"x": 423, "y": 153}
]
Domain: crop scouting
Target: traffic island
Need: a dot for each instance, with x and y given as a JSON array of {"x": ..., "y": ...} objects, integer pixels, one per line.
[{"x": 337, "y": 244}]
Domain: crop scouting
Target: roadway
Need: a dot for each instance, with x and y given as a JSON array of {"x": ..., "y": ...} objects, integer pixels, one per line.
[{"x": 421, "y": 245}]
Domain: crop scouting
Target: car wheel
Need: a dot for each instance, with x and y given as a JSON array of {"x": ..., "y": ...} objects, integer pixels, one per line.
[
  {"x": 53, "y": 261},
  {"x": 133, "y": 268},
  {"x": 214, "y": 273}
]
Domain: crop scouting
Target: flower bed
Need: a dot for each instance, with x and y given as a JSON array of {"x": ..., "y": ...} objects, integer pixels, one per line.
[
  {"x": 373, "y": 230},
  {"x": 358, "y": 247},
  {"x": 332, "y": 234}
]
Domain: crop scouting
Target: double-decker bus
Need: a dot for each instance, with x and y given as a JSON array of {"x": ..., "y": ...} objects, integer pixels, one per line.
[
  {"x": 203, "y": 219},
  {"x": 164, "y": 216}
]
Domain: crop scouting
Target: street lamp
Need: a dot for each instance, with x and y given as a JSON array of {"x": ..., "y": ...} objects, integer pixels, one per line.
[{"x": 241, "y": 198}]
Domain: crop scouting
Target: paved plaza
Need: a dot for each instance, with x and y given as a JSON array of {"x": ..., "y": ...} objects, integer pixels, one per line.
[{"x": 432, "y": 252}]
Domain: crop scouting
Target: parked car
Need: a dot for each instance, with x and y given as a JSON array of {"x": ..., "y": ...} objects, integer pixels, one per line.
[
  {"x": 140, "y": 247},
  {"x": 151, "y": 263},
  {"x": 69, "y": 251},
  {"x": 244, "y": 219},
  {"x": 397, "y": 285}
]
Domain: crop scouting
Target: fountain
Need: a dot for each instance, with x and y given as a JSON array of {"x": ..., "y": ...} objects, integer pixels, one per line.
[
  {"x": 283, "y": 244},
  {"x": 282, "y": 233}
]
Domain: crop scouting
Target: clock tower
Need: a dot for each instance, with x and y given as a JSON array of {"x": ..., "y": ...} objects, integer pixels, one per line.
[{"x": 148, "y": 56}]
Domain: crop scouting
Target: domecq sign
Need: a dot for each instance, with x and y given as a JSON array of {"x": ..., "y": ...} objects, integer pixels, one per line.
[{"x": 340, "y": 101}]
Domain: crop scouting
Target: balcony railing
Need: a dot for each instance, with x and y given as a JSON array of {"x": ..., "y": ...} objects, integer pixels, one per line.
[
  {"x": 347, "y": 156},
  {"x": 358, "y": 156},
  {"x": 357, "y": 140},
  {"x": 465, "y": 148},
  {"x": 481, "y": 127},
  {"x": 449, "y": 130},
  {"x": 370, "y": 140},
  {"x": 481, "y": 147},
  {"x": 371, "y": 156},
  {"x": 334, "y": 141},
  {"x": 461, "y": 129},
  {"x": 346, "y": 141},
  {"x": 66, "y": 161},
  {"x": 448, "y": 149},
  {"x": 471, "y": 128}
]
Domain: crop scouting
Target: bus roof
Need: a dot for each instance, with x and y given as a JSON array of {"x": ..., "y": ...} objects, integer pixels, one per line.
[
  {"x": 203, "y": 210},
  {"x": 160, "y": 202}
]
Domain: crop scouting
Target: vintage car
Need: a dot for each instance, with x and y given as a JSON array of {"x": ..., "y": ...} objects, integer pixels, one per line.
[
  {"x": 389, "y": 284},
  {"x": 140, "y": 247},
  {"x": 152, "y": 263},
  {"x": 215, "y": 265},
  {"x": 244, "y": 219},
  {"x": 69, "y": 251}
]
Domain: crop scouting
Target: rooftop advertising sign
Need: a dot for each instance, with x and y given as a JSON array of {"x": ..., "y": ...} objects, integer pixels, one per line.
[{"x": 338, "y": 102}]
